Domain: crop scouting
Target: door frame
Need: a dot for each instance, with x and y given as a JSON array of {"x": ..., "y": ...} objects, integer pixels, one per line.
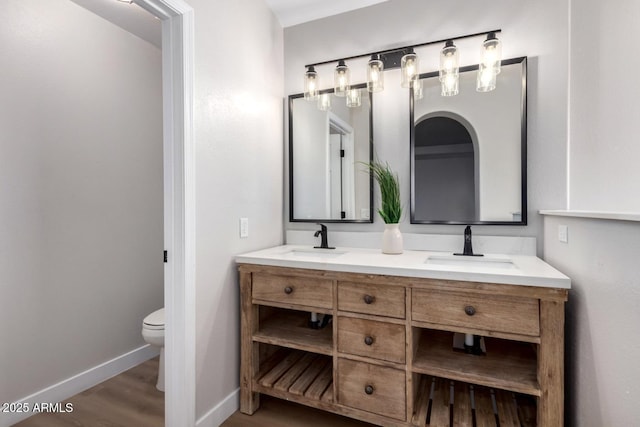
[{"x": 179, "y": 207}]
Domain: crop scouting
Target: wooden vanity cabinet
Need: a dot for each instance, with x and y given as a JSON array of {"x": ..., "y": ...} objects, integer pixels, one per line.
[{"x": 387, "y": 357}]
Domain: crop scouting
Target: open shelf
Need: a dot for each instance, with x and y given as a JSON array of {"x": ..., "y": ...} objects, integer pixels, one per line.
[
  {"x": 307, "y": 376},
  {"x": 441, "y": 402},
  {"x": 289, "y": 328},
  {"x": 508, "y": 365}
]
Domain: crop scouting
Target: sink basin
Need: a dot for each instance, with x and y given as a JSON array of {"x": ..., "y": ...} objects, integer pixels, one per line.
[
  {"x": 471, "y": 262},
  {"x": 317, "y": 253}
]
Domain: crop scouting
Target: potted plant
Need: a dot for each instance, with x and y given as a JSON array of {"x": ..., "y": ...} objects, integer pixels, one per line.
[{"x": 391, "y": 207}]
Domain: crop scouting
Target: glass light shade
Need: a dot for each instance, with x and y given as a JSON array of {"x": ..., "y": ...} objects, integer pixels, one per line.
[
  {"x": 417, "y": 89},
  {"x": 410, "y": 68},
  {"x": 324, "y": 101},
  {"x": 449, "y": 61},
  {"x": 491, "y": 53},
  {"x": 449, "y": 85},
  {"x": 311, "y": 84},
  {"x": 486, "y": 79},
  {"x": 375, "y": 75},
  {"x": 353, "y": 98},
  {"x": 341, "y": 79}
]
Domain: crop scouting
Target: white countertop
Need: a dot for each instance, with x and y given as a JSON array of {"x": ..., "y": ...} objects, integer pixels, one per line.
[{"x": 492, "y": 268}]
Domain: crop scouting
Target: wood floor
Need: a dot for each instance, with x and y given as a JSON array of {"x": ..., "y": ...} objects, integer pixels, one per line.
[
  {"x": 131, "y": 400},
  {"x": 127, "y": 400},
  {"x": 280, "y": 413}
]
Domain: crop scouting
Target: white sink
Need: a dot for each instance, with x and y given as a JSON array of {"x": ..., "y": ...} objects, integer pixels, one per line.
[
  {"x": 471, "y": 262},
  {"x": 317, "y": 253}
]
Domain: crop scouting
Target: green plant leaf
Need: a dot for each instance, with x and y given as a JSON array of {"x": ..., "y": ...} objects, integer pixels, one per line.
[{"x": 391, "y": 208}]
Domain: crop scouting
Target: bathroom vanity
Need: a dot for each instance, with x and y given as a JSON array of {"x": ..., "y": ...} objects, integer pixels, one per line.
[{"x": 387, "y": 357}]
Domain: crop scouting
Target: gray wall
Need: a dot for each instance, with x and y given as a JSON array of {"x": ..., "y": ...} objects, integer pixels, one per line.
[
  {"x": 538, "y": 30},
  {"x": 601, "y": 256},
  {"x": 81, "y": 231},
  {"x": 602, "y": 346},
  {"x": 604, "y": 108},
  {"x": 239, "y": 173}
]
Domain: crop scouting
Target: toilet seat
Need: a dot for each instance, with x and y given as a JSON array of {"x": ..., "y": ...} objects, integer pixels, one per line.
[
  {"x": 153, "y": 334},
  {"x": 154, "y": 321}
]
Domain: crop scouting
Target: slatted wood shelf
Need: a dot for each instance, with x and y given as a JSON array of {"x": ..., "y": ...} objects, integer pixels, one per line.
[
  {"x": 290, "y": 328},
  {"x": 306, "y": 375},
  {"x": 441, "y": 402},
  {"x": 508, "y": 365}
]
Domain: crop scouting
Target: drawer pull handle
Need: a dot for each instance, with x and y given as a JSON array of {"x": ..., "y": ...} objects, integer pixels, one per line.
[
  {"x": 368, "y": 299},
  {"x": 368, "y": 340},
  {"x": 470, "y": 310},
  {"x": 369, "y": 389},
  {"x": 288, "y": 290}
]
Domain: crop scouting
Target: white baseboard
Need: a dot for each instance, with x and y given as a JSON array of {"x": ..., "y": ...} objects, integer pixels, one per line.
[
  {"x": 81, "y": 382},
  {"x": 222, "y": 411}
]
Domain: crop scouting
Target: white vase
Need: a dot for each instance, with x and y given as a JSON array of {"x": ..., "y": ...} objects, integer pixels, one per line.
[{"x": 391, "y": 239}]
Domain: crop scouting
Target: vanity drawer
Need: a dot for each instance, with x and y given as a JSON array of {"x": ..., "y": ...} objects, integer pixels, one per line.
[
  {"x": 378, "y": 340},
  {"x": 306, "y": 291},
  {"x": 372, "y": 388},
  {"x": 517, "y": 315},
  {"x": 381, "y": 300}
]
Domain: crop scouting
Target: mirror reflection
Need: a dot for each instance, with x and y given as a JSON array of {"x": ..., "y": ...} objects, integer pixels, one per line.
[
  {"x": 327, "y": 142},
  {"x": 468, "y": 151}
]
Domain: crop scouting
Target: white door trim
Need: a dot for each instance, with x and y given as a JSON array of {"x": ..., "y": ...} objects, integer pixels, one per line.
[{"x": 179, "y": 207}]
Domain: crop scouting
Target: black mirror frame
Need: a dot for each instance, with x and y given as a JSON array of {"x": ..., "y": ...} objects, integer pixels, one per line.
[
  {"x": 523, "y": 149},
  {"x": 291, "y": 183}
]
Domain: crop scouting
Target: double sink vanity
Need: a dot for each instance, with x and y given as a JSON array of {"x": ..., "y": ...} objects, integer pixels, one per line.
[
  {"x": 388, "y": 355},
  {"x": 421, "y": 338}
]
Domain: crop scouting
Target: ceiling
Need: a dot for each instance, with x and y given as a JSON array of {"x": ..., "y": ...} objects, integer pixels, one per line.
[
  {"x": 138, "y": 21},
  {"x": 294, "y": 12},
  {"x": 129, "y": 17}
]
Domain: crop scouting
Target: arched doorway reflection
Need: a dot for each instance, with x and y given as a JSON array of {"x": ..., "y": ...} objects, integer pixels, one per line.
[{"x": 446, "y": 150}]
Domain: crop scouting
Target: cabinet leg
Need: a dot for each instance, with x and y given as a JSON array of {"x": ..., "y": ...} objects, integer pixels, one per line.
[
  {"x": 249, "y": 402},
  {"x": 249, "y": 357},
  {"x": 551, "y": 364}
]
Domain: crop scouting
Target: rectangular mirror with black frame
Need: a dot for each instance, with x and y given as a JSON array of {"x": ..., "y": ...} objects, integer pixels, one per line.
[
  {"x": 469, "y": 151},
  {"x": 329, "y": 146}
]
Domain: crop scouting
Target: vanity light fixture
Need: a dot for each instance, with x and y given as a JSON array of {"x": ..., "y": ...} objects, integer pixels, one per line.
[
  {"x": 406, "y": 59},
  {"x": 489, "y": 66},
  {"x": 341, "y": 79},
  {"x": 492, "y": 52},
  {"x": 410, "y": 68},
  {"x": 375, "y": 75},
  {"x": 311, "y": 84},
  {"x": 449, "y": 69},
  {"x": 417, "y": 89},
  {"x": 324, "y": 101},
  {"x": 487, "y": 78},
  {"x": 353, "y": 98}
]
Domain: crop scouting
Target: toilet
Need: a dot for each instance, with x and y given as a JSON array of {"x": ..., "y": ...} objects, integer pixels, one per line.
[{"x": 153, "y": 333}]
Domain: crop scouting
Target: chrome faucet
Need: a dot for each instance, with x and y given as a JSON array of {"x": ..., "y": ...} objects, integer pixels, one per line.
[
  {"x": 468, "y": 249},
  {"x": 324, "y": 244}
]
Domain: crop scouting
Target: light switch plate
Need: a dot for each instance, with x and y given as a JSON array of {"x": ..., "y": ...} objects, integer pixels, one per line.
[
  {"x": 244, "y": 228},
  {"x": 563, "y": 233}
]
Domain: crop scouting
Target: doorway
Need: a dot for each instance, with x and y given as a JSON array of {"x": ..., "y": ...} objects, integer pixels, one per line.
[
  {"x": 179, "y": 207},
  {"x": 446, "y": 149},
  {"x": 29, "y": 190}
]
